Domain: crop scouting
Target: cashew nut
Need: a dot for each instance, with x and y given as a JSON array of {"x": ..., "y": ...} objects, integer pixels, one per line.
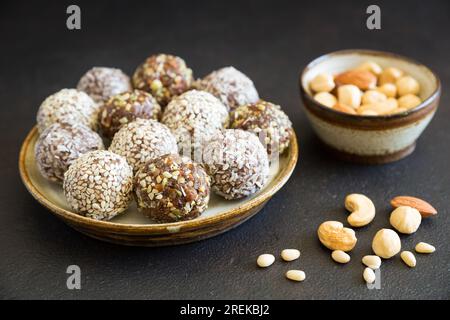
[
  {"x": 361, "y": 208},
  {"x": 334, "y": 236}
]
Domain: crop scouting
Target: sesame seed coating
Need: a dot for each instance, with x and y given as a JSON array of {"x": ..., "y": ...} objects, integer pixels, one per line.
[
  {"x": 69, "y": 106},
  {"x": 193, "y": 118},
  {"x": 60, "y": 145},
  {"x": 164, "y": 76},
  {"x": 267, "y": 121},
  {"x": 127, "y": 107},
  {"x": 100, "y": 83},
  {"x": 237, "y": 163},
  {"x": 99, "y": 185},
  {"x": 231, "y": 86},
  {"x": 172, "y": 188},
  {"x": 143, "y": 140}
]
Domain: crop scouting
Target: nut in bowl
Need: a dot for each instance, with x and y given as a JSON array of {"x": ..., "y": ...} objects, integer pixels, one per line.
[{"x": 369, "y": 106}]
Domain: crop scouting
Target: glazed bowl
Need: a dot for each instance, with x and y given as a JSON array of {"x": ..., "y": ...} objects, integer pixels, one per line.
[
  {"x": 370, "y": 139},
  {"x": 132, "y": 228}
]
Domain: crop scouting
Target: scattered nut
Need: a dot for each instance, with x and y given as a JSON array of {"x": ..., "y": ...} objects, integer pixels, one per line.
[
  {"x": 373, "y": 96},
  {"x": 296, "y": 275},
  {"x": 371, "y": 261},
  {"x": 389, "y": 89},
  {"x": 349, "y": 95},
  {"x": 390, "y": 75},
  {"x": 407, "y": 85},
  {"x": 334, "y": 236},
  {"x": 362, "y": 79},
  {"x": 369, "y": 275},
  {"x": 361, "y": 208},
  {"x": 423, "y": 247},
  {"x": 265, "y": 260},
  {"x": 371, "y": 67},
  {"x": 409, "y": 101},
  {"x": 405, "y": 219},
  {"x": 343, "y": 108},
  {"x": 340, "y": 256},
  {"x": 386, "y": 243},
  {"x": 408, "y": 258},
  {"x": 425, "y": 209},
  {"x": 323, "y": 82},
  {"x": 325, "y": 98},
  {"x": 290, "y": 254}
]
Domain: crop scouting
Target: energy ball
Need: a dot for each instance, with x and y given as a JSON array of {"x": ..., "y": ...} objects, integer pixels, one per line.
[
  {"x": 171, "y": 188},
  {"x": 69, "y": 106},
  {"x": 237, "y": 163},
  {"x": 60, "y": 145},
  {"x": 164, "y": 76},
  {"x": 231, "y": 86},
  {"x": 127, "y": 107},
  {"x": 101, "y": 83},
  {"x": 193, "y": 118},
  {"x": 143, "y": 140},
  {"x": 267, "y": 121},
  {"x": 99, "y": 185}
]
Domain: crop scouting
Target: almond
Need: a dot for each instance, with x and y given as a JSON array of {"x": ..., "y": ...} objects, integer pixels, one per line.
[
  {"x": 343, "y": 108},
  {"x": 426, "y": 210},
  {"x": 364, "y": 80}
]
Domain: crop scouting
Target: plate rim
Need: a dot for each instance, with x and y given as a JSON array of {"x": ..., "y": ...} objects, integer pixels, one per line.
[{"x": 163, "y": 228}]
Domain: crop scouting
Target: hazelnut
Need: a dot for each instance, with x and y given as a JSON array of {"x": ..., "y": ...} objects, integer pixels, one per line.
[
  {"x": 389, "y": 89},
  {"x": 386, "y": 243},
  {"x": 409, "y": 101},
  {"x": 373, "y": 96},
  {"x": 407, "y": 85},
  {"x": 405, "y": 219},
  {"x": 390, "y": 75}
]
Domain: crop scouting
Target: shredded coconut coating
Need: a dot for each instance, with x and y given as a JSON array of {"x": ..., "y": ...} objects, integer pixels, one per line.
[
  {"x": 69, "y": 106},
  {"x": 60, "y": 145},
  {"x": 193, "y": 118},
  {"x": 143, "y": 140},
  {"x": 267, "y": 121},
  {"x": 99, "y": 185},
  {"x": 172, "y": 188},
  {"x": 125, "y": 108},
  {"x": 231, "y": 86},
  {"x": 237, "y": 162},
  {"x": 101, "y": 83},
  {"x": 163, "y": 75}
]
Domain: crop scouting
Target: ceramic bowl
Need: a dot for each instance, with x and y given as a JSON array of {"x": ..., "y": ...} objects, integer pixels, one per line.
[
  {"x": 132, "y": 228},
  {"x": 370, "y": 139}
]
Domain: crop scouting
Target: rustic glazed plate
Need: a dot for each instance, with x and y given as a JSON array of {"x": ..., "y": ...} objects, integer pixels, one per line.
[{"x": 132, "y": 228}]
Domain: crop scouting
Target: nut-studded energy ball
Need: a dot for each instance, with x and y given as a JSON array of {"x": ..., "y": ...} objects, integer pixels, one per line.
[
  {"x": 143, "y": 140},
  {"x": 171, "y": 188},
  {"x": 237, "y": 163},
  {"x": 124, "y": 108},
  {"x": 60, "y": 145},
  {"x": 99, "y": 185},
  {"x": 231, "y": 86},
  {"x": 101, "y": 83},
  {"x": 69, "y": 106},
  {"x": 164, "y": 76},
  {"x": 267, "y": 121},
  {"x": 193, "y": 118}
]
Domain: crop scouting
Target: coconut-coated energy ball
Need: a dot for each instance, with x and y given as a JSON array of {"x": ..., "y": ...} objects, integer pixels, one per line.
[
  {"x": 69, "y": 106},
  {"x": 171, "y": 188},
  {"x": 125, "y": 108},
  {"x": 231, "y": 86},
  {"x": 164, "y": 76},
  {"x": 237, "y": 163},
  {"x": 60, "y": 145},
  {"x": 193, "y": 118},
  {"x": 101, "y": 83},
  {"x": 143, "y": 140},
  {"x": 267, "y": 121},
  {"x": 99, "y": 185}
]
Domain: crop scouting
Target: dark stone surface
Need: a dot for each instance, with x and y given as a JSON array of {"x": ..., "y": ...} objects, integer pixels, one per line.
[{"x": 270, "y": 42}]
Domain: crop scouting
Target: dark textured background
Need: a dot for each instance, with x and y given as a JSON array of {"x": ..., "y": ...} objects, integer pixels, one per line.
[{"x": 270, "y": 42}]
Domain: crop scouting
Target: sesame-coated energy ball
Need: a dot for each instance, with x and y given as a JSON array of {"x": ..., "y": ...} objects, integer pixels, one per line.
[
  {"x": 60, "y": 145},
  {"x": 171, "y": 188},
  {"x": 237, "y": 163},
  {"x": 267, "y": 121},
  {"x": 231, "y": 86},
  {"x": 101, "y": 83},
  {"x": 193, "y": 118},
  {"x": 99, "y": 185},
  {"x": 164, "y": 76},
  {"x": 124, "y": 108},
  {"x": 69, "y": 106},
  {"x": 143, "y": 140}
]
